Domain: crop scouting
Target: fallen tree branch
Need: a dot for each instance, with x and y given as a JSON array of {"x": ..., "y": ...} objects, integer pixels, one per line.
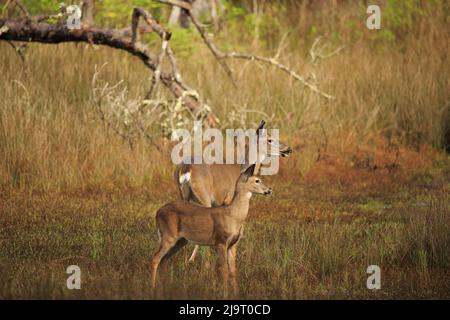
[
  {"x": 34, "y": 29},
  {"x": 119, "y": 113}
]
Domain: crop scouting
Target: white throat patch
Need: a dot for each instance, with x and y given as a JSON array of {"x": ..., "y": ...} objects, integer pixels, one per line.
[{"x": 185, "y": 178}]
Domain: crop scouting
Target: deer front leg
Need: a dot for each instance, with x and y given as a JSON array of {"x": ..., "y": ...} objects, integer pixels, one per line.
[
  {"x": 223, "y": 261},
  {"x": 233, "y": 271}
]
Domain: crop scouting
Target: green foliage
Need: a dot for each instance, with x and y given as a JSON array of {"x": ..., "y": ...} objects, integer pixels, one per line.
[
  {"x": 242, "y": 22},
  {"x": 107, "y": 12},
  {"x": 401, "y": 16},
  {"x": 182, "y": 41},
  {"x": 118, "y": 13},
  {"x": 261, "y": 26},
  {"x": 234, "y": 12},
  {"x": 33, "y": 6}
]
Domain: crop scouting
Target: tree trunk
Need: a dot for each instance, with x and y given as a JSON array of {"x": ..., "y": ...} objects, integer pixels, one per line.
[{"x": 88, "y": 12}]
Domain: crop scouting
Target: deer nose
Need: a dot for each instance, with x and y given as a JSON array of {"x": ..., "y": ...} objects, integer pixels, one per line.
[
  {"x": 268, "y": 191},
  {"x": 287, "y": 152}
]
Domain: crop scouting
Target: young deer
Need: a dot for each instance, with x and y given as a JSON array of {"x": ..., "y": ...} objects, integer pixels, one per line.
[
  {"x": 214, "y": 184},
  {"x": 180, "y": 222}
]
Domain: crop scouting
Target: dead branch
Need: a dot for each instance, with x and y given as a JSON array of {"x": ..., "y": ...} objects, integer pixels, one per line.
[
  {"x": 282, "y": 67},
  {"x": 163, "y": 34},
  {"x": 124, "y": 116},
  {"x": 99, "y": 95},
  {"x": 131, "y": 118},
  {"x": 214, "y": 50},
  {"x": 36, "y": 29},
  {"x": 317, "y": 52},
  {"x": 19, "y": 49},
  {"x": 222, "y": 56},
  {"x": 20, "y": 5}
]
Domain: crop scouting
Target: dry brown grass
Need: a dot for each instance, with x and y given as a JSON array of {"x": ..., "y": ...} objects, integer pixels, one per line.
[{"x": 51, "y": 137}]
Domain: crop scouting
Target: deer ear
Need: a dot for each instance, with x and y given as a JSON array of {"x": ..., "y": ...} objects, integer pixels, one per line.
[
  {"x": 260, "y": 127},
  {"x": 249, "y": 171}
]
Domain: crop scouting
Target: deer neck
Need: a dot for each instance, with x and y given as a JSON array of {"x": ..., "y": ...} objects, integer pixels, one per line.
[
  {"x": 247, "y": 163},
  {"x": 238, "y": 208},
  {"x": 247, "y": 155}
]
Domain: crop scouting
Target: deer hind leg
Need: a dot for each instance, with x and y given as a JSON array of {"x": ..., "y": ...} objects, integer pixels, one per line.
[
  {"x": 172, "y": 251},
  {"x": 164, "y": 246},
  {"x": 233, "y": 271}
]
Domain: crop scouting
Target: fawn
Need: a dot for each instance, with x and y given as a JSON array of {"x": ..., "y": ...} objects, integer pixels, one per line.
[{"x": 180, "y": 222}]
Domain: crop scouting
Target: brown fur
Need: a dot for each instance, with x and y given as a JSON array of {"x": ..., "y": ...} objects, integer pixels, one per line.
[
  {"x": 180, "y": 222},
  {"x": 214, "y": 185}
]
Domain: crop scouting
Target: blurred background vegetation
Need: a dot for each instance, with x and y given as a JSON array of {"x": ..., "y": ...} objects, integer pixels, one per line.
[{"x": 271, "y": 19}]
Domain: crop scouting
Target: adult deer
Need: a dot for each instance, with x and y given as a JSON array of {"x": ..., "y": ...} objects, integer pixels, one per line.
[
  {"x": 212, "y": 185},
  {"x": 180, "y": 222}
]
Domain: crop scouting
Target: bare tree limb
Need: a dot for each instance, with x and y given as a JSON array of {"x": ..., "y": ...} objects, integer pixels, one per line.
[
  {"x": 37, "y": 30},
  {"x": 165, "y": 49},
  {"x": 22, "y": 7},
  {"x": 222, "y": 56},
  {"x": 214, "y": 50},
  {"x": 317, "y": 52},
  {"x": 163, "y": 34},
  {"x": 98, "y": 104},
  {"x": 282, "y": 67},
  {"x": 20, "y": 49}
]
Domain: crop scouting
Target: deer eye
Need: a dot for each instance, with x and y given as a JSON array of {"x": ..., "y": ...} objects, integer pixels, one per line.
[
  {"x": 257, "y": 181},
  {"x": 270, "y": 140}
]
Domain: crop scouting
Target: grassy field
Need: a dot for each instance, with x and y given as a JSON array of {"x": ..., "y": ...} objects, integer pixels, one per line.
[
  {"x": 367, "y": 184},
  {"x": 313, "y": 239}
]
